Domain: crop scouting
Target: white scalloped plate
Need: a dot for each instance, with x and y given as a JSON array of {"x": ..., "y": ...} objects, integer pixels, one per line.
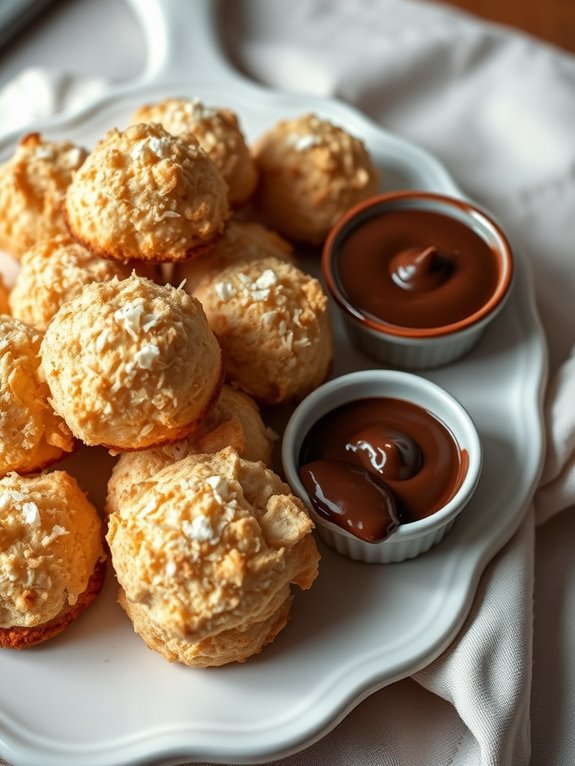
[{"x": 97, "y": 696}]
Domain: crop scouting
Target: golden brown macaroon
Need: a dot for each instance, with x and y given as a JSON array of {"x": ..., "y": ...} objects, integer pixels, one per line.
[
  {"x": 33, "y": 184},
  {"x": 131, "y": 364},
  {"x": 55, "y": 271},
  {"x": 51, "y": 556},
  {"x": 311, "y": 172},
  {"x": 144, "y": 194},
  {"x": 4, "y": 298},
  {"x": 241, "y": 241},
  {"x": 234, "y": 421},
  {"x": 219, "y": 134},
  {"x": 206, "y": 556},
  {"x": 272, "y": 322},
  {"x": 31, "y": 435}
]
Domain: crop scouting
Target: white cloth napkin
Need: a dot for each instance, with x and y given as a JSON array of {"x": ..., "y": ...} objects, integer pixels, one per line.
[{"x": 498, "y": 109}]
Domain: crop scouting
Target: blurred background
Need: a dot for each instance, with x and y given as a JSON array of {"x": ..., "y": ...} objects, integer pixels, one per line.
[
  {"x": 550, "y": 20},
  {"x": 23, "y": 45}
]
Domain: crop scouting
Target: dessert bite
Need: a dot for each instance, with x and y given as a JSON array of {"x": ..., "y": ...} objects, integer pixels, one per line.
[
  {"x": 33, "y": 185},
  {"x": 311, "y": 172},
  {"x": 131, "y": 364},
  {"x": 241, "y": 241},
  {"x": 55, "y": 271},
  {"x": 219, "y": 134},
  {"x": 144, "y": 194},
  {"x": 31, "y": 435},
  {"x": 206, "y": 557},
  {"x": 51, "y": 556},
  {"x": 234, "y": 421},
  {"x": 273, "y": 325}
]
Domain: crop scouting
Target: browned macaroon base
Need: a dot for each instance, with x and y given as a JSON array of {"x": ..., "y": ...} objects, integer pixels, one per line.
[
  {"x": 234, "y": 645},
  {"x": 123, "y": 257},
  {"x": 22, "y": 638}
]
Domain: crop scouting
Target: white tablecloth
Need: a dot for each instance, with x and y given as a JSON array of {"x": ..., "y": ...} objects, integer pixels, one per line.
[{"x": 498, "y": 109}]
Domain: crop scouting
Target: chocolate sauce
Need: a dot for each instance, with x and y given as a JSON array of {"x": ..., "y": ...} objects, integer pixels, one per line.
[
  {"x": 352, "y": 497},
  {"x": 415, "y": 268},
  {"x": 391, "y": 453},
  {"x": 376, "y": 462}
]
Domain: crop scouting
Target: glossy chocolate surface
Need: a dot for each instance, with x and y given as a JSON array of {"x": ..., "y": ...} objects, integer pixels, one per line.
[
  {"x": 373, "y": 463},
  {"x": 415, "y": 268}
]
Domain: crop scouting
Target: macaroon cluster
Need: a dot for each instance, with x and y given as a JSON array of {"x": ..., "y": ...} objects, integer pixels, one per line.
[{"x": 151, "y": 320}]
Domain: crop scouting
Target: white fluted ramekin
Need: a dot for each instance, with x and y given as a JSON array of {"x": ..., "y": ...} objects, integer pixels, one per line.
[
  {"x": 412, "y": 347},
  {"x": 408, "y": 540}
]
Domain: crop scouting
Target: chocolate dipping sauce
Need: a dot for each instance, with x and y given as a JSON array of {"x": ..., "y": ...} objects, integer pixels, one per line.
[
  {"x": 374, "y": 463},
  {"x": 415, "y": 268}
]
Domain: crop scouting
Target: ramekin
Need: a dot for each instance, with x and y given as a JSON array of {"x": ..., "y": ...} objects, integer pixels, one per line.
[
  {"x": 410, "y": 347},
  {"x": 408, "y": 540}
]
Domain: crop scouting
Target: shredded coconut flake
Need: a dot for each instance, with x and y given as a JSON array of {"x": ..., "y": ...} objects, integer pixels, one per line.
[
  {"x": 73, "y": 158},
  {"x": 130, "y": 315},
  {"x": 271, "y": 434},
  {"x": 57, "y": 531},
  {"x": 199, "y": 529},
  {"x": 150, "y": 321},
  {"x": 288, "y": 340},
  {"x": 101, "y": 340},
  {"x": 138, "y": 150},
  {"x": 303, "y": 143},
  {"x": 297, "y": 317},
  {"x": 218, "y": 484},
  {"x": 224, "y": 290},
  {"x": 31, "y": 514},
  {"x": 155, "y": 144},
  {"x": 260, "y": 295},
  {"x": 44, "y": 153},
  {"x": 146, "y": 356},
  {"x": 199, "y": 110},
  {"x": 150, "y": 507},
  {"x": 167, "y": 214},
  {"x": 266, "y": 279}
]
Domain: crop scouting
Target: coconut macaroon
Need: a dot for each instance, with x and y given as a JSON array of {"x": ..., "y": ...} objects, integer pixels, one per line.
[
  {"x": 33, "y": 184},
  {"x": 144, "y": 194},
  {"x": 234, "y": 421},
  {"x": 131, "y": 364},
  {"x": 31, "y": 435},
  {"x": 219, "y": 134},
  {"x": 311, "y": 172},
  {"x": 55, "y": 271},
  {"x": 273, "y": 324},
  {"x": 241, "y": 241},
  {"x": 51, "y": 556},
  {"x": 206, "y": 557}
]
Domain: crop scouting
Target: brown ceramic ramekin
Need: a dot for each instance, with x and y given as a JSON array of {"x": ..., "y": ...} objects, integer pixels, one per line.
[{"x": 372, "y": 266}]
